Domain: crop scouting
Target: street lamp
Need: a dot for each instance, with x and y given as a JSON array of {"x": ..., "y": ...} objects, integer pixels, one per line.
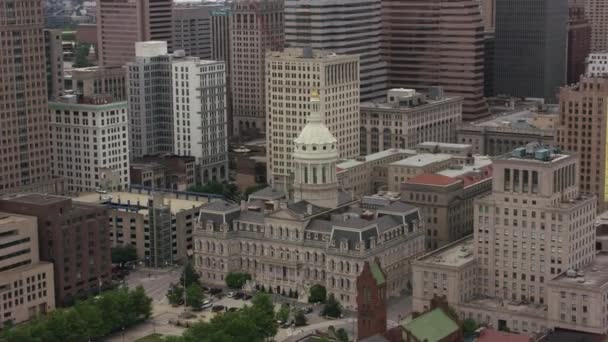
[{"x": 123, "y": 334}]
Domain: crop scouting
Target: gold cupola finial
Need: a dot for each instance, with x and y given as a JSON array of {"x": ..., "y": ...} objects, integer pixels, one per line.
[{"x": 314, "y": 94}]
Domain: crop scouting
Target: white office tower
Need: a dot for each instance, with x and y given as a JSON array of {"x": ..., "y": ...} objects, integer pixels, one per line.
[
  {"x": 352, "y": 27},
  {"x": 199, "y": 107},
  {"x": 291, "y": 77}
]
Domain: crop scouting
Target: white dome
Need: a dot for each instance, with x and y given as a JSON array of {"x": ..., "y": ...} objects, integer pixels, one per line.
[{"x": 315, "y": 132}]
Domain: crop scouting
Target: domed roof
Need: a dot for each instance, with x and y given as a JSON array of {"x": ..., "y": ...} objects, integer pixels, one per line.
[{"x": 315, "y": 132}]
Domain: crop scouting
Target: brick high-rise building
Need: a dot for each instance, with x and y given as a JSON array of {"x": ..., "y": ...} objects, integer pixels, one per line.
[
  {"x": 371, "y": 301},
  {"x": 256, "y": 27},
  {"x": 74, "y": 237},
  {"x": 24, "y": 119},
  {"x": 579, "y": 40},
  {"x": 345, "y": 27},
  {"x": 437, "y": 43},
  {"x": 292, "y": 75},
  {"x": 582, "y": 128},
  {"x": 597, "y": 13},
  {"x": 530, "y": 48},
  {"x": 121, "y": 23}
]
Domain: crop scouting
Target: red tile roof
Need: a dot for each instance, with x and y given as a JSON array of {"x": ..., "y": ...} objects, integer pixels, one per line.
[
  {"x": 433, "y": 179},
  {"x": 489, "y": 335}
]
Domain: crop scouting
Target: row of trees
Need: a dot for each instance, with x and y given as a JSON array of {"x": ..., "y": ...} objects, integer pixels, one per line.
[
  {"x": 299, "y": 318},
  {"x": 87, "y": 320},
  {"x": 228, "y": 190},
  {"x": 254, "y": 323}
]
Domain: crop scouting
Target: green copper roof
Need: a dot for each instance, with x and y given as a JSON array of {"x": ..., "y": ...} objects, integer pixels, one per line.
[
  {"x": 431, "y": 326},
  {"x": 377, "y": 273}
]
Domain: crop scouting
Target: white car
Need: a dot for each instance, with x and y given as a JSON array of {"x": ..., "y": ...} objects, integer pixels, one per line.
[
  {"x": 206, "y": 304},
  {"x": 231, "y": 294}
]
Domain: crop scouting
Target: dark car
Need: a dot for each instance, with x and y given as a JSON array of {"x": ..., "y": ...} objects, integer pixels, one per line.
[
  {"x": 238, "y": 295},
  {"x": 215, "y": 290},
  {"x": 308, "y": 310},
  {"x": 246, "y": 296},
  {"x": 217, "y": 308},
  {"x": 233, "y": 309}
]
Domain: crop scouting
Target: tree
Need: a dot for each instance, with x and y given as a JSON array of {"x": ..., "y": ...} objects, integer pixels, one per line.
[
  {"x": 194, "y": 296},
  {"x": 342, "y": 335},
  {"x": 236, "y": 280},
  {"x": 141, "y": 303},
  {"x": 300, "y": 318},
  {"x": 283, "y": 313},
  {"x": 262, "y": 313},
  {"x": 175, "y": 295},
  {"x": 124, "y": 254},
  {"x": 81, "y": 51},
  {"x": 318, "y": 294},
  {"x": 469, "y": 326},
  {"x": 332, "y": 307},
  {"x": 190, "y": 274}
]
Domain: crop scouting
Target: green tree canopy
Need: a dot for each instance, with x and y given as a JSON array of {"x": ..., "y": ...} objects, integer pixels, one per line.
[
  {"x": 332, "y": 307},
  {"x": 469, "y": 326},
  {"x": 190, "y": 274},
  {"x": 318, "y": 294},
  {"x": 236, "y": 280},
  {"x": 175, "y": 294},
  {"x": 283, "y": 313},
  {"x": 124, "y": 254},
  {"x": 87, "y": 320},
  {"x": 194, "y": 296},
  {"x": 81, "y": 51}
]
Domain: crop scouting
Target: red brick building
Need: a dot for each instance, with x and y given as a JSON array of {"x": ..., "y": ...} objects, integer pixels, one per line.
[
  {"x": 371, "y": 301},
  {"x": 579, "y": 40},
  {"x": 74, "y": 237}
]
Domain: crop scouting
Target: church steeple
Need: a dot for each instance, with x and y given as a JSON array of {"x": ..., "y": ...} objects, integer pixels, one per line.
[{"x": 315, "y": 157}]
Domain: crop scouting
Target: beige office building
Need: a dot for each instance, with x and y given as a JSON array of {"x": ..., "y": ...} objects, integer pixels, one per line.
[
  {"x": 158, "y": 226},
  {"x": 407, "y": 118},
  {"x": 256, "y": 27},
  {"x": 534, "y": 231},
  {"x": 122, "y": 23},
  {"x": 581, "y": 128},
  {"x": 291, "y": 76},
  {"x": 26, "y": 283}
]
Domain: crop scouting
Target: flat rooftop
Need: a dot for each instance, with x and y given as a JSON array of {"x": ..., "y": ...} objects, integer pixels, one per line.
[
  {"x": 350, "y": 163},
  {"x": 518, "y": 308},
  {"x": 594, "y": 275},
  {"x": 36, "y": 199},
  {"x": 456, "y": 254},
  {"x": 384, "y": 104},
  {"x": 176, "y": 205},
  {"x": 10, "y": 218},
  {"x": 480, "y": 162},
  {"x": 423, "y": 159},
  {"x": 432, "y": 144}
]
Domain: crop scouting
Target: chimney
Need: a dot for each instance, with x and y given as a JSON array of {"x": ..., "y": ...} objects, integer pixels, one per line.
[{"x": 309, "y": 209}]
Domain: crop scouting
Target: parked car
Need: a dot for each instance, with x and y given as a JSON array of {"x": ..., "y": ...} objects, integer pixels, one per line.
[
  {"x": 233, "y": 309},
  {"x": 217, "y": 308},
  {"x": 206, "y": 304},
  {"x": 230, "y": 294},
  {"x": 246, "y": 296},
  {"x": 239, "y": 295},
  {"x": 308, "y": 310}
]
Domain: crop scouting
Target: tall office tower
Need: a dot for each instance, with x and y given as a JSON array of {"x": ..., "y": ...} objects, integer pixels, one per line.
[
  {"x": 533, "y": 226},
  {"x": 74, "y": 237},
  {"x": 90, "y": 142},
  {"x": 199, "y": 107},
  {"x": 150, "y": 100},
  {"x": 192, "y": 28},
  {"x": 291, "y": 76},
  {"x": 582, "y": 128},
  {"x": 256, "y": 26},
  {"x": 344, "y": 27},
  {"x": 27, "y": 282},
  {"x": 437, "y": 43},
  {"x": 597, "y": 14},
  {"x": 220, "y": 51},
  {"x": 530, "y": 50},
  {"x": 53, "y": 49},
  {"x": 24, "y": 121},
  {"x": 579, "y": 40},
  {"x": 122, "y": 23}
]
